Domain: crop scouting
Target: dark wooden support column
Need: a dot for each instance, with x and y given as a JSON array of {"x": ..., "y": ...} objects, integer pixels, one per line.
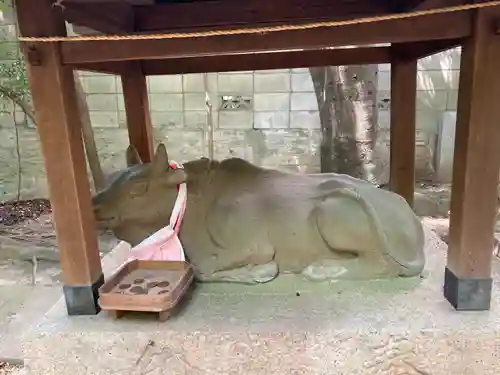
[
  {"x": 403, "y": 112},
  {"x": 135, "y": 92},
  {"x": 60, "y": 130},
  {"x": 476, "y": 163}
]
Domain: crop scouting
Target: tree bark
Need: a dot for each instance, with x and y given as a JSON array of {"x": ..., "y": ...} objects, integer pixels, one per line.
[
  {"x": 87, "y": 130},
  {"x": 347, "y": 103},
  {"x": 88, "y": 137},
  {"x": 324, "y": 96}
]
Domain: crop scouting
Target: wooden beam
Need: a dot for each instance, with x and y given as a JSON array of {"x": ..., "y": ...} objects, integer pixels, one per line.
[
  {"x": 255, "y": 61},
  {"x": 400, "y": 6},
  {"x": 98, "y": 2},
  {"x": 475, "y": 168},
  {"x": 419, "y": 50},
  {"x": 107, "y": 18},
  {"x": 60, "y": 130},
  {"x": 266, "y": 61},
  {"x": 116, "y": 68},
  {"x": 392, "y": 31},
  {"x": 433, "y": 4},
  {"x": 135, "y": 93},
  {"x": 43, "y": 20},
  {"x": 224, "y": 13},
  {"x": 403, "y": 112}
]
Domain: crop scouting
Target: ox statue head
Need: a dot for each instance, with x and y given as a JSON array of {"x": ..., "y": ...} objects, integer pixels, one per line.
[{"x": 138, "y": 200}]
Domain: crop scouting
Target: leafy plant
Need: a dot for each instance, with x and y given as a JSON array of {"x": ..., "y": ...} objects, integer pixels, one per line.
[{"x": 14, "y": 85}]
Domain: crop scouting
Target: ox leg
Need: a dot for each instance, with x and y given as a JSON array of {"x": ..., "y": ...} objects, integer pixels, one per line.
[
  {"x": 324, "y": 270},
  {"x": 254, "y": 266},
  {"x": 249, "y": 274},
  {"x": 359, "y": 268}
]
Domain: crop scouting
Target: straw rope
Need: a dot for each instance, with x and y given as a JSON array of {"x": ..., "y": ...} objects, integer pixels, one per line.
[{"x": 267, "y": 29}]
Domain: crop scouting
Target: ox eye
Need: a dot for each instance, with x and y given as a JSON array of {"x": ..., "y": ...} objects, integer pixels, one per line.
[{"x": 139, "y": 189}]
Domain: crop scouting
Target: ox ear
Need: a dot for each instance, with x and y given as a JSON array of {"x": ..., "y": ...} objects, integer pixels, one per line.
[
  {"x": 132, "y": 156},
  {"x": 159, "y": 165}
]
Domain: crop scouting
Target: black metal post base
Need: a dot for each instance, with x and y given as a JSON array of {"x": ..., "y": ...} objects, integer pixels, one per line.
[
  {"x": 82, "y": 299},
  {"x": 467, "y": 294}
]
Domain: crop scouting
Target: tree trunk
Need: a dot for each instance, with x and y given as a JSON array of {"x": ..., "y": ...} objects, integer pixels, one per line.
[
  {"x": 87, "y": 130},
  {"x": 347, "y": 102},
  {"x": 88, "y": 137},
  {"x": 324, "y": 96}
]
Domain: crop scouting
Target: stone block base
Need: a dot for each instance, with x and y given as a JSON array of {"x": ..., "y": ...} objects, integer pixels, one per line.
[
  {"x": 82, "y": 300},
  {"x": 467, "y": 294}
]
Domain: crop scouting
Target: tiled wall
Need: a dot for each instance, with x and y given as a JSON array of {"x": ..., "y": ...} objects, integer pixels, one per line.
[
  {"x": 279, "y": 99},
  {"x": 279, "y": 126},
  {"x": 437, "y": 85}
]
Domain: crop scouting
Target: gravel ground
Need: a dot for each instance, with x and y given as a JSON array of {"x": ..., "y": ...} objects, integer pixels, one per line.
[
  {"x": 5, "y": 368},
  {"x": 14, "y": 212}
]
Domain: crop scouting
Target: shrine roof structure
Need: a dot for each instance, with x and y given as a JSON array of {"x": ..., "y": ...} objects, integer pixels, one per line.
[
  {"x": 126, "y": 16},
  {"x": 137, "y": 38},
  {"x": 171, "y": 36}
]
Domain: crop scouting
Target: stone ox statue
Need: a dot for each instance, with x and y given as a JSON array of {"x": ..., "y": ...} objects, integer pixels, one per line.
[{"x": 246, "y": 224}]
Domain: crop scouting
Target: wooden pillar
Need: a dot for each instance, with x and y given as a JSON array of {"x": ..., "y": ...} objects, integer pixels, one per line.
[
  {"x": 403, "y": 111},
  {"x": 60, "y": 131},
  {"x": 476, "y": 164},
  {"x": 135, "y": 93}
]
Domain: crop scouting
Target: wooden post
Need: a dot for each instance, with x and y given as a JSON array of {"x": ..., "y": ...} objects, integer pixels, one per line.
[
  {"x": 403, "y": 112},
  {"x": 135, "y": 93},
  {"x": 60, "y": 131},
  {"x": 476, "y": 164}
]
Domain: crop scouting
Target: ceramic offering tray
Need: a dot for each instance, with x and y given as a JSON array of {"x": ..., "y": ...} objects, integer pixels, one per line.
[{"x": 151, "y": 286}]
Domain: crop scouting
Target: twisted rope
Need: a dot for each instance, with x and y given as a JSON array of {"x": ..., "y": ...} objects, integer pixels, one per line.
[{"x": 266, "y": 29}]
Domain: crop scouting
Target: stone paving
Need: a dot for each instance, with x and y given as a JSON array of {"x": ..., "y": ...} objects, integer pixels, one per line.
[{"x": 285, "y": 327}]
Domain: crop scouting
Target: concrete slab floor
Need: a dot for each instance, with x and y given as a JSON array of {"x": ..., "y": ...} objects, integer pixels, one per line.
[
  {"x": 21, "y": 302},
  {"x": 21, "y": 306},
  {"x": 289, "y": 326}
]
